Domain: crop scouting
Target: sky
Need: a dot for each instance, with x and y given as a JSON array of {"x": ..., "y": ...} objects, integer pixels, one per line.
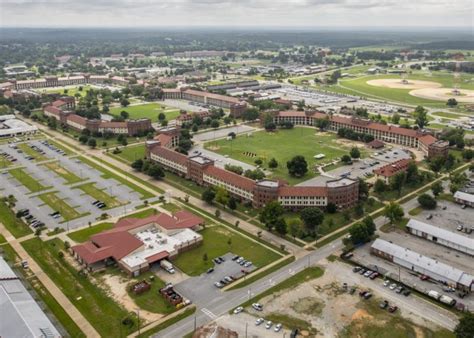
[{"x": 237, "y": 13}]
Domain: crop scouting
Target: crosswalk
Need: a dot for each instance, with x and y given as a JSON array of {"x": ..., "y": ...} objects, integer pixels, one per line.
[{"x": 209, "y": 313}]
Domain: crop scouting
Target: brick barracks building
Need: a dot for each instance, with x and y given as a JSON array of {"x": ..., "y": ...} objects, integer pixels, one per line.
[
  {"x": 236, "y": 106},
  {"x": 428, "y": 144},
  {"x": 54, "y": 81},
  {"x": 342, "y": 192},
  {"x": 62, "y": 111}
]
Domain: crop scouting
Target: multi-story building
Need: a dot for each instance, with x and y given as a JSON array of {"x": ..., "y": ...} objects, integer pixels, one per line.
[
  {"x": 343, "y": 192},
  {"x": 387, "y": 171},
  {"x": 54, "y": 81},
  {"x": 428, "y": 144}
]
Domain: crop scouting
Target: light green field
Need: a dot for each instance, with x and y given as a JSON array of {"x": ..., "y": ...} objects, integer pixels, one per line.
[
  {"x": 147, "y": 110},
  {"x": 4, "y": 163},
  {"x": 83, "y": 235},
  {"x": 283, "y": 145},
  {"x": 27, "y": 180},
  {"x": 216, "y": 243},
  {"x": 132, "y": 153},
  {"x": 71, "y": 91},
  {"x": 57, "y": 204},
  {"x": 97, "y": 194},
  {"x": 448, "y": 115},
  {"x": 63, "y": 172}
]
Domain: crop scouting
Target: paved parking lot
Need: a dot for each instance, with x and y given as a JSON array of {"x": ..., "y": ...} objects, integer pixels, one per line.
[
  {"x": 77, "y": 199},
  {"x": 450, "y": 218},
  {"x": 201, "y": 288},
  {"x": 362, "y": 167}
]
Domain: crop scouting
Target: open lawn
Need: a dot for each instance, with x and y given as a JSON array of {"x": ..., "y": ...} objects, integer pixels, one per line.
[
  {"x": 92, "y": 301},
  {"x": 283, "y": 145},
  {"x": 151, "y": 300},
  {"x": 63, "y": 172},
  {"x": 31, "y": 152},
  {"x": 13, "y": 224},
  {"x": 448, "y": 115},
  {"x": 359, "y": 87},
  {"x": 27, "y": 180},
  {"x": 132, "y": 153},
  {"x": 101, "y": 195},
  {"x": 70, "y": 91},
  {"x": 4, "y": 163},
  {"x": 218, "y": 241},
  {"x": 83, "y": 235},
  {"x": 57, "y": 204},
  {"x": 147, "y": 110}
]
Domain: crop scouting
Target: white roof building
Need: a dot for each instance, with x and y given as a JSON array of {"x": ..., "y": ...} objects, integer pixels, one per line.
[
  {"x": 414, "y": 261},
  {"x": 464, "y": 198},
  {"x": 11, "y": 126}
]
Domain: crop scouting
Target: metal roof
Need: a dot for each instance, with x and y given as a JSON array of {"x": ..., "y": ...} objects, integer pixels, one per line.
[
  {"x": 464, "y": 196},
  {"x": 442, "y": 233},
  {"x": 424, "y": 262}
]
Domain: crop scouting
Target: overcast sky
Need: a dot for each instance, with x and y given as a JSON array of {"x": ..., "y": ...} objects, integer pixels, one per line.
[{"x": 242, "y": 13}]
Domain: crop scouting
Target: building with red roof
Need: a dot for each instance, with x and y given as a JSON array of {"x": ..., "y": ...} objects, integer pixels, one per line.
[
  {"x": 135, "y": 243},
  {"x": 391, "y": 169}
]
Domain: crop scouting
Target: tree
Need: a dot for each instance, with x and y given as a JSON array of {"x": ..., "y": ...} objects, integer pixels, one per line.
[
  {"x": 232, "y": 203},
  {"x": 436, "y": 164},
  {"x": 137, "y": 164},
  {"x": 124, "y": 114},
  {"x": 331, "y": 208},
  {"x": 280, "y": 226},
  {"x": 370, "y": 224},
  {"x": 363, "y": 190},
  {"x": 355, "y": 152},
  {"x": 312, "y": 218},
  {"x": 359, "y": 233},
  {"x": 92, "y": 143},
  {"x": 124, "y": 102},
  {"x": 427, "y": 201},
  {"x": 270, "y": 214},
  {"x": 465, "y": 327},
  {"x": 208, "y": 195},
  {"x": 217, "y": 213},
  {"x": 161, "y": 117},
  {"x": 215, "y": 124},
  {"x": 297, "y": 166},
  {"x": 421, "y": 117},
  {"x": 437, "y": 188},
  {"x": 412, "y": 175},
  {"x": 295, "y": 227},
  {"x": 396, "y": 118},
  {"x": 156, "y": 172},
  {"x": 272, "y": 164},
  {"x": 397, "y": 181},
  {"x": 394, "y": 212},
  {"x": 222, "y": 196},
  {"x": 346, "y": 159},
  {"x": 452, "y": 102},
  {"x": 258, "y": 161}
]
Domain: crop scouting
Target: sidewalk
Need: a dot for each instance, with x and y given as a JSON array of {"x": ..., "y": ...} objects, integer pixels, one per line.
[{"x": 65, "y": 303}]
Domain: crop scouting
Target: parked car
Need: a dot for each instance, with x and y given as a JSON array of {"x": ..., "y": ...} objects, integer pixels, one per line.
[
  {"x": 367, "y": 295},
  {"x": 278, "y": 327},
  {"x": 374, "y": 275},
  {"x": 362, "y": 271},
  {"x": 424, "y": 277},
  {"x": 238, "y": 310},
  {"x": 269, "y": 325},
  {"x": 257, "y": 306},
  {"x": 210, "y": 270},
  {"x": 406, "y": 293},
  {"x": 392, "y": 308},
  {"x": 235, "y": 258},
  {"x": 383, "y": 304},
  {"x": 218, "y": 285},
  {"x": 248, "y": 264},
  {"x": 356, "y": 269},
  {"x": 215, "y": 260},
  {"x": 386, "y": 283},
  {"x": 399, "y": 289},
  {"x": 393, "y": 286},
  {"x": 259, "y": 321},
  {"x": 368, "y": 273}
]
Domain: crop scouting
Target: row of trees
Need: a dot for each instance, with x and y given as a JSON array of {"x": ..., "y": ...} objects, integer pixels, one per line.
[{"x": 148, "y": 167}]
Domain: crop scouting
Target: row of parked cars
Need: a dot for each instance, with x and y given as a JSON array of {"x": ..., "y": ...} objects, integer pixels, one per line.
[
  {"x": 53, "y": 147},
  {"x": 260, "y": 320},
  {"x": 8, "y": 157},
  {"x": 243, "y": 262},
  {"x": 30, "y": 219},
  {"x": 99, "y": 204}
]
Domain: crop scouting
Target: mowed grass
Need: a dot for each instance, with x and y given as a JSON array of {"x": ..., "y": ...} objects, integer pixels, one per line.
[
  {"x": 100, "y": 195},
  {"x": 283, "y": 145},
  {"x": 69, "y": 91},
  {"x": 132, "y": 153},
  {"x": 4, "y": 163},
  {"x": 85, "y": 234},
  {"x": 15, "y": 225},
  {"x": 31, "y": 152},
  {"x": 68, "y": 176},
  {"x": 217, "y": 241},
  {"x": 96, "y": 306},
  {"x": 57, "y": 204},
  {"x": 448, "y": 115},
  {"x": 27, "y": 180},
  {"x": 147, "y": 110}
]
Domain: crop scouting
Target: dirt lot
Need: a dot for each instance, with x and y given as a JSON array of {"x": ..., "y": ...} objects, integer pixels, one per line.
[{"x": 328, "y": 310}]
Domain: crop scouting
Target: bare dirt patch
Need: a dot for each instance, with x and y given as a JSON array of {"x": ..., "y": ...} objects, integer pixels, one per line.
[
  {"x": 401, "y": 84},
  {"x": 443, "y": 94}
]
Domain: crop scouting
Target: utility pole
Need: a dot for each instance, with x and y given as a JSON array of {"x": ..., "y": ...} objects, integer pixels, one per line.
[
  {"x": 246, "y": 326},
  {"x": 138, "y": 316}
]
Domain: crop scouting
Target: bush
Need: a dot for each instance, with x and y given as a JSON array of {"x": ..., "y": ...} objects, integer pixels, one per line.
[{"x": 427, "y": 201}]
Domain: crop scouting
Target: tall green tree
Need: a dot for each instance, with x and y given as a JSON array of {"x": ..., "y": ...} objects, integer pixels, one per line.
[
  {"x": 394, "y": 212},
  {"x": 421, "y": 117}
]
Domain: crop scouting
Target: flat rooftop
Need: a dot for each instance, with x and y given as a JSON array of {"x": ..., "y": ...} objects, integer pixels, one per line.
[
  {"x": 21, "y": 316},
  {"x": 200, "y": 159}
]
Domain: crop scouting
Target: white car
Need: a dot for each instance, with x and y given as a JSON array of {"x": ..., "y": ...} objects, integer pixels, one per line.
[
  {"x": 257, "y": 306},
  {"x": 277, "y": 327},
  {"x": 368, "y": 273},
  {"x": 393, "y": 286},
  {"x": 238, "y": 310},
  {"x": 386, "y": 283},
  {"x": 259, "y": 321},
  {"x": 268, "y": 325}
]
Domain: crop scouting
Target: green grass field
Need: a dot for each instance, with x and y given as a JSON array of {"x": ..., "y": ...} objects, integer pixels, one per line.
[
  {"x": 101, "y": 195},
  {"x": 448, "y": 115},
  {"x": 70, "y": 91},
  {"x": 83, "y": 235},
  {"x": 31, "y": 152},
  {"x": 147, "y": 110},
  {"x": 27, "y": 180},
  {"x": 216, "y": 243},
  {"x": 63, "y": 172},
  {"x": 4, "y": 163},
  {"x": 13, "y": 224},
  {"x": 96, "y": 306},
  {"x": 57, "y": 204},
  {"x": 132, "y": 153},
  {"x": 283, "y": 145}
]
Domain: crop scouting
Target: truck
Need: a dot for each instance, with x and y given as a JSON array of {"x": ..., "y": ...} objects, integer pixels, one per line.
[
  {"x": 434, "y": 294},
  {"x": 167, "y": 266},
  {"x": 447, "y": 300}
]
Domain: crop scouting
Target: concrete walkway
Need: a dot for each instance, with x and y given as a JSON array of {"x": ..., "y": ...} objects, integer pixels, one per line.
[{"x": 65, "y": 303}]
